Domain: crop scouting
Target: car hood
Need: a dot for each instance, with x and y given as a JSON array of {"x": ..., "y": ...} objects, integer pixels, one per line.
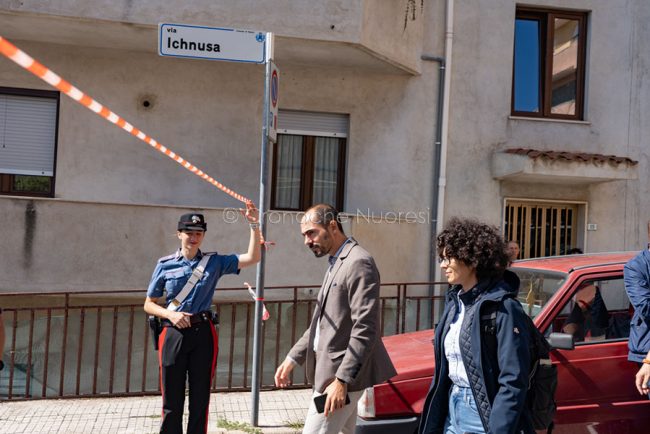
[{"x": 411, "y": 354}]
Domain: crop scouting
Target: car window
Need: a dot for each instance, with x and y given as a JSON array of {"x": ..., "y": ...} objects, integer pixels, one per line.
[
  {"x": 536, "y": 288},
  {"x": 597, "y": 311}
]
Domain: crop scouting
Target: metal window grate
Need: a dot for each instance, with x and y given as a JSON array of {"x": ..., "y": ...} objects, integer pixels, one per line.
[{"x": 541, "y": 229}]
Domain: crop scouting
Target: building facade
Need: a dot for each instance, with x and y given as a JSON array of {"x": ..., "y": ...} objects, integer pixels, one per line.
[
  {"x": 106, "y": 206},
  {"x": 548, "y": 112},
  {"x": 541, "y": 132}
]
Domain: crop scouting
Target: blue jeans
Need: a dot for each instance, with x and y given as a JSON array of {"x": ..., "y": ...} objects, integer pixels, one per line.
[{"x": 463, "y": 414}]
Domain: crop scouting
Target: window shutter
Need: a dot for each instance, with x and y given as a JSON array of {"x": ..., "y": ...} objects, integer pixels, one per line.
[
  {"x": 27, "y": 135},
  {"x": 313, "y": 123}
]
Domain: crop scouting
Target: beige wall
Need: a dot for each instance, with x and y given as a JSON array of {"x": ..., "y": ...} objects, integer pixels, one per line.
[
  {"x": 298, "y": 18},
  {"x": 617, "y": 93},
  {"x": 59, "y": 245},
  {"x": 210, "y": 113},
  {"x": 117, "y": 200},
  {"x": 375, "y": 26}
]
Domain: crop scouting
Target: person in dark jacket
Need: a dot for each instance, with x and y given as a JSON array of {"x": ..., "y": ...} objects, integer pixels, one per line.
[
  {"x": 475, "y": 390},
  {"x": 589, "y": 318},
  {"x": 636, "y": 275}
]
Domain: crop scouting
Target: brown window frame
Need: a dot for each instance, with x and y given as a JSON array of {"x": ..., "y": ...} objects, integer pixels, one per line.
[
  {"x": 546, "y": 16},
  {"x": 307, "y": 174},
  {"x": 8, "y": 180}
]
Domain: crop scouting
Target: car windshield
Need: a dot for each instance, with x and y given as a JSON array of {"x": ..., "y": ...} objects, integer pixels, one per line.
[{"x": 537, "y": 288}]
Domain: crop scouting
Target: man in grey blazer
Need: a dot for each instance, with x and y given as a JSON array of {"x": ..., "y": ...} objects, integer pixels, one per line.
[{"x": 342, "y": 348}]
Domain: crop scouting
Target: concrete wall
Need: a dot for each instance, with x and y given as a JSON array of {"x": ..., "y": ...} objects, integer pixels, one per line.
[
  {"x": 391, "y": 33},
  {"x": 59, "y": 245},
  {"x": 208, "y": 112},
  {"x": 117, "y": 200},
  {"x": 617, "y": 93},
  {"x": 375, "y": 25},
  {"x": 297, "y": 18},
  {"x": 637, "y": 205}
]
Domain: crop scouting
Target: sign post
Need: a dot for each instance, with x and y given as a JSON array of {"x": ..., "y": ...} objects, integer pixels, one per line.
[{"x": 270, "y": 124}]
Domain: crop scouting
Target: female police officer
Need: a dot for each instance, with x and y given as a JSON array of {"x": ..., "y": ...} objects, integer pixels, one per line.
[{"x": 188, "y": 343}]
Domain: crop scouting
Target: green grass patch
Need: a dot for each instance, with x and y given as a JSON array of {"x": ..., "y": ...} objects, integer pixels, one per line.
[
  {"x": 297, "y": 425},
  {"x": 239, "y": 426}
]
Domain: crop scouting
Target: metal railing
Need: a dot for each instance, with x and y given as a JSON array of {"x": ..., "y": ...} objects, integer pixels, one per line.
[{"x": 89, "y": 344}]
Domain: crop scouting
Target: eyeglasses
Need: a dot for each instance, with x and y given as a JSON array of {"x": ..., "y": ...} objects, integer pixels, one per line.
[{"x": 445, "y": 260}]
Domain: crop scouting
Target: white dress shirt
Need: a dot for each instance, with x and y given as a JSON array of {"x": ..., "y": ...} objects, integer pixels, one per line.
[{"x": 457, "y": 372}]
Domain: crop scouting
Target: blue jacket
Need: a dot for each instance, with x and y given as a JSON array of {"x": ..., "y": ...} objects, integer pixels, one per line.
[
  {"x": 499, "y": 382},
  {"x": 636, "y": 274}
]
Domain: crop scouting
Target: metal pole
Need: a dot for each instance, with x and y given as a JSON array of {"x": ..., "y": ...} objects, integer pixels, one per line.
[
  {"x": 434, "y": 184},
  {"x": 259, "y": 280}
]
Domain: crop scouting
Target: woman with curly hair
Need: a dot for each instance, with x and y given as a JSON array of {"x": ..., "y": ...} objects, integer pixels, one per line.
[{"x": 475, "y": 390}]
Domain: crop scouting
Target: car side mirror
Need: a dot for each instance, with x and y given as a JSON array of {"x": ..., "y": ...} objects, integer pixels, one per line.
[{"x": 561, "y": 341}]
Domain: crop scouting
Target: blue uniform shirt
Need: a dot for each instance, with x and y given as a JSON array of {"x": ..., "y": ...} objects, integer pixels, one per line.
[{"x": 173, "y": 271}]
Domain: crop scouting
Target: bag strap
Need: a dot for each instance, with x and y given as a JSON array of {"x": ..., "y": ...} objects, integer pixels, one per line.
[{"x": 197, "y": 274}]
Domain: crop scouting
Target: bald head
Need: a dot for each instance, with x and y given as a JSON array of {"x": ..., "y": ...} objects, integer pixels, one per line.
[
  {"x": 513, "y": 250},
  {"x": 322, "y": 214},
  {"x": 321, "y": 230}
]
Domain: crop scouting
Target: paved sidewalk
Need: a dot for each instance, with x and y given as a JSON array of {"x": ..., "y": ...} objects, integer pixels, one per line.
[{"x": 280, "y": 412}]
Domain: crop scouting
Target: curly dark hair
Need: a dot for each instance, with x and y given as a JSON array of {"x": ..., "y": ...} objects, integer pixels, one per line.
[{"x": 476, "y": 244}]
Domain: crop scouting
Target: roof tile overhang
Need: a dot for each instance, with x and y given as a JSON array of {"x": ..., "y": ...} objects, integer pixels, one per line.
[{"x": 560, "y": 167}]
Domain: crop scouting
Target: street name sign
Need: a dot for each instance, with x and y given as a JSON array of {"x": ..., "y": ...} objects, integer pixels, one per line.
[{"x": 213, "y": 43}]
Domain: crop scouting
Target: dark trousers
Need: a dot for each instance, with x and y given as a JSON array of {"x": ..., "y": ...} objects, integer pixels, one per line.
[{"x": 187, "y": 354}]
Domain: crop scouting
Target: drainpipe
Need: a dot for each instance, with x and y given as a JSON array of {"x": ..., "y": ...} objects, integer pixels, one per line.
[
  {"x": 440, "y": 157},
  {"x": 436, "y": 174}
]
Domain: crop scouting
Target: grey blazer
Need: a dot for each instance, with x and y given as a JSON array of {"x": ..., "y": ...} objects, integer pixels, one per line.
[{"x": 349, "y": 344}]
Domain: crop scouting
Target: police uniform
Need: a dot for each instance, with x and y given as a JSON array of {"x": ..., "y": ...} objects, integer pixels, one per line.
[{"x": 188, "y": 352}]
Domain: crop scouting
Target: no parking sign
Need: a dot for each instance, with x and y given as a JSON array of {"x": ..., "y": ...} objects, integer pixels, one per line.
[{"x": 273, "y": 103}]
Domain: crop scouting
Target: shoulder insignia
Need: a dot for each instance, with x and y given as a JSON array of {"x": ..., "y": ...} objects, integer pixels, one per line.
[{"x": 167, "y": 258}]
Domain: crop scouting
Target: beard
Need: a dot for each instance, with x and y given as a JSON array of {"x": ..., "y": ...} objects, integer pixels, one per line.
[
  {"x": 321, "y": 249},
  {"x": 318, "y": 252}
]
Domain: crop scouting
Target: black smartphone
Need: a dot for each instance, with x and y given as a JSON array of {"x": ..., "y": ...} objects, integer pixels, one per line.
[{"x": 319, "y": 401}]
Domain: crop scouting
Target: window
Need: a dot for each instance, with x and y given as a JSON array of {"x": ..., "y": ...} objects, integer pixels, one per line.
[
  {"x": 309, "y": 160},
  {"x": 537, "y": 288},
  {"x": 543, "y": 229},
  {"x": 549, "y": 64},
  {"x": 599, "y": 310},
  {"x": 28, "y": 131}
]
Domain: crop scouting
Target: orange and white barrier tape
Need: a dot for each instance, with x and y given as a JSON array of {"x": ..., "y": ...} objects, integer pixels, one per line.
[
  {"x": 265, "y": 313},
  {"x": 24, "y": 60}
]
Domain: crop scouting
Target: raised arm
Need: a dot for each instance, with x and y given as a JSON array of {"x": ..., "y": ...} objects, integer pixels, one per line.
[{"x": 254, "y": 253}]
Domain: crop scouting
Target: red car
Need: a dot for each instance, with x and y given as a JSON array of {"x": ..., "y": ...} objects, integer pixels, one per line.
[{"x": 595, "y": 393}]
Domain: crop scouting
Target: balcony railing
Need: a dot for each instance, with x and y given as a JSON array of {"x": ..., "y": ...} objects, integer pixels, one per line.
[{"x": 87, "y": 344}]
